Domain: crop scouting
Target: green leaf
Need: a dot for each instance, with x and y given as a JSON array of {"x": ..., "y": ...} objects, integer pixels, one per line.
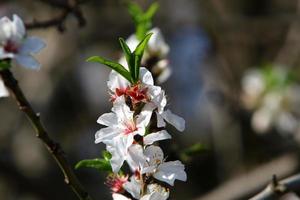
[
  {"x": 194, "y": 150},
  {"x": 128, "y": 56},
  {"x": 151, "y": 11},
  {"x": 5, "y": 64},
  {"x": 113, "y": 65},
  {"x": 134, "y": 9},
  {"x": 138, "y": 54},
  {"x": 99, "y": 164},
  {"x": 106, "y": 155}
]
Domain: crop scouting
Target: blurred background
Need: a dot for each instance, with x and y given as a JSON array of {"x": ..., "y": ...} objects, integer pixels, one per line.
[{"x": 235, "y": 80}]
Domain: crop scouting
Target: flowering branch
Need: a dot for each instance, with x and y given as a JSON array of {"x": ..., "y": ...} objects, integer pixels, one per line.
[
  {"x": 277, "y": 188},
  {"x": 69, "y": 7},
  {"x": 53, "y": 147}
]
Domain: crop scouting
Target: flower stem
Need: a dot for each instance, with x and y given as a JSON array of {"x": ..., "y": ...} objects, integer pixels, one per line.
[{"x": 54, "y": 148}]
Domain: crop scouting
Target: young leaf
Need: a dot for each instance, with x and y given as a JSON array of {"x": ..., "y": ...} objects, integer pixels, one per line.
[
  {"x": 99, "y": 164},
  {"x": 113, "y": 65},
  {"x": 151, "y": 11},
  {"x": 106, "y": 155},
  {"x": 4, "y": 64},
  {"x": 128, "y": 56},
  {"x": 138, "y": 54},
  {"x": 134, "y": 10}
]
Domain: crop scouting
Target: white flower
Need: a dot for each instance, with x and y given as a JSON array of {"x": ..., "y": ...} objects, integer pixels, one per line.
[
  {"x": 15, "y": 44},
  {"x": 156, "y": 192},
  {"x": 3, "y": 90},
  {"x": 142, "y": 92},
  {"x": 134, "y": 187},
  {"x": 151, "y": 162},
  {"x": 178, "y": 122},
  {"x": 121, "y": 129}
]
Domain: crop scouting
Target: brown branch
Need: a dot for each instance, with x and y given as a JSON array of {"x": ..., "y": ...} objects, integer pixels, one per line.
[
  {"x": 70, "y": 7},
  {"x": 277, "y": 189},
  {"x": 53, "y": 147}
]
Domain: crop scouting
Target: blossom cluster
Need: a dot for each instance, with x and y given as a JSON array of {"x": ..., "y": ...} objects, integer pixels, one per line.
[
  {"x": 16, "y": 45},
  {"x": 134, "y": 126},
  {"x": 274, "y": 98}
]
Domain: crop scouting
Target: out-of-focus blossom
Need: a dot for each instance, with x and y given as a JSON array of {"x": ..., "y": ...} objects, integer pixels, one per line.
[{"x": 16, "y": 45}]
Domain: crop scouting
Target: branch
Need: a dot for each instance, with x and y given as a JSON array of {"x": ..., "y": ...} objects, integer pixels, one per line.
[
  {"x": 68, "y": 8},
  {"x": 277, "y": 189},
  {"x": 53, "y": 147}
]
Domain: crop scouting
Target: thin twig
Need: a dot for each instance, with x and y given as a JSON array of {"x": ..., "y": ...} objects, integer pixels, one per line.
[
  {"x": 53, "y": 147},
  {"x": 277, "y": 189},
  {"x": 68, "y": 8}
]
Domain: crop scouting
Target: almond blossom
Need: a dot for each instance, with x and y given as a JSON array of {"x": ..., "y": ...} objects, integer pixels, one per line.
[
  {"x": 151, "y": 162},
  {"x": 14, "y": 44},
  {"x": 121, "y": 128}
]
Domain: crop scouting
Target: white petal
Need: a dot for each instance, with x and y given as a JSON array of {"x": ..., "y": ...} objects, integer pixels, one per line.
[
  {"x": 170, "y": 171},
  {"x": 122, "y": 111},
  {"x": 175, "y": 120},
  {"x": 157, "y": 136},
  {"x": 117, "y": 196},
  {"x": 157, "y": 43},
  {"x": 158, "y": 192},
  {"x": 154, "y": 154},
  {"x": 132, "y": 42},
  {"x": 136, "y": 158},
  {"x": 118, "y": 149},
  {"x": 108, "y": 119},
  {"x": 146, "y": 76},
  {"x": 134, "y": 187},
  {"x": 105, "y": 134},
  {"x": 27, "y": 61},
  {"x": 6, "y": 29},
  {"x": 116, "y": 81},
  {"x": 3, "y": 90},
  {"x": 144, "y": 117},
  {"x": 160, "y": 120},
  {"x": 4, "y": 54},
  {"x": 32, "y": 45},
  {"x": 19, "y": 28}
]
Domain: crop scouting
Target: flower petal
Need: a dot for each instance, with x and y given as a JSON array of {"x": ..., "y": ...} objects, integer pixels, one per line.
[
  {"x": 170, "y": 171},
  {"x": 32, "y": 45},
  {"x": 175, "y": 120},
  {"x": 136, "y": 159},
  {"x": 117, "y": 196},
  {"x": 19, "y": 28},
  {"x": 3, "y": 90},
  {"x": 134, "y": 187},
  {"x": 116, "y": 81},
  {"x": 108, "y": 119},
  {"x": 157, "y": 136},
  {"x": 104, "y": 134},
  {"x": 160, "y": 120},
  {"x": 27, "y": 61},
  {"x": 118, "y": 148},
  {"x": 154, "y": 155},
  {"x": 146, "y": 76},
  {"x": 6, "y": 29}
]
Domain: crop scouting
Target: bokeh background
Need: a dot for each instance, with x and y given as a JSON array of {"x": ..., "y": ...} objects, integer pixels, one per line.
[{"x": 213, "y": 44}]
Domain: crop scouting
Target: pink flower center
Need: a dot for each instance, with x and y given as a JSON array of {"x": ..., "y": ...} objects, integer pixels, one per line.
[
  {"x": 136, "y": 93},
  {"x": 130, "y": 127},
  {"x": 11, "y": 47},
  {"x": 115, "y": 182}
]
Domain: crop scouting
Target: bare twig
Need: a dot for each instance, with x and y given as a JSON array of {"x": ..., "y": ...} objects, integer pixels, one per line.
[
  {"x": 53, "y": 147},
  {"x": 277, "y": 189},
  {"x": 68, "y": 7}
]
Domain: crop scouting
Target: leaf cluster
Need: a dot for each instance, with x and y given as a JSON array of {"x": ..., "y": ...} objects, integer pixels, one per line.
[{"x": 133, "y": 60}]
